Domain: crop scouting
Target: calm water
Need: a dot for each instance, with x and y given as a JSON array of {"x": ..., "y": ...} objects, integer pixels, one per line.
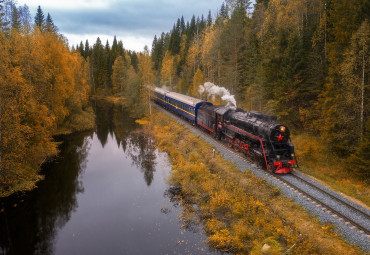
[{"x": 104, "y": 194}]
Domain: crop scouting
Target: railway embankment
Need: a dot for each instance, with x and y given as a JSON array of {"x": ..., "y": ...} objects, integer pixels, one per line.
[{"x": 240, "y": 211}]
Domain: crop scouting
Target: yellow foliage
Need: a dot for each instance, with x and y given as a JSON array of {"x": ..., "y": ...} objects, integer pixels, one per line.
[
  {"x": 316, "y": 159},
  {"x": 197, "y": 81},
  {"x": 43, "y": 88},
  {"x": 168, "y": 69}
]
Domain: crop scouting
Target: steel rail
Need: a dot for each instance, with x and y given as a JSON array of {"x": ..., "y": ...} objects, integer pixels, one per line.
[{"x": 366, "y": 215}]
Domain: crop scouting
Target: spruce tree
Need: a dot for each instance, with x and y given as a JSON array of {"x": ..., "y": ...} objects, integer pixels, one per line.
[
  {"x": 81, "y": 49},
  {"x": 50, "y": 27},
  {"x": 175, "y": 39},
  {"x": 134, "y": 61},
  {"x": 98, "y": 62},
  {"x": 209, "y": 19},
  {"x": 39, "y": 18},
  {"x": 224, "y": 14},
  {"x": 87, "y": 49},
  {"x": 16, "y": 24},
  {"x": 182, "y": 25}
]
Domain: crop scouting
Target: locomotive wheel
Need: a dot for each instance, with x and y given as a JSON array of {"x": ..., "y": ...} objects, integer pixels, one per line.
[
  {"x": 241, "y": 146},
  {"x": 246, "y": 150},
  {"x": 236, "y": 144}
]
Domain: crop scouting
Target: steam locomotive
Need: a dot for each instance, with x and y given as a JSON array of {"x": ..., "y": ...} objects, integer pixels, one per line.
[{"x": 256, "y": 134}]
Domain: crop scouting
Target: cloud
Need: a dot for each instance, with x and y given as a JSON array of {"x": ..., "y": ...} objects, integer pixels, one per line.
[{"x": 129, "y": 18}]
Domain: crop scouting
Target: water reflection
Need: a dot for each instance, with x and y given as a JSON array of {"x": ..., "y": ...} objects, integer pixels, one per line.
[
  {"x": 115, "y": 121},
  {"x": 29, "y": 222},
  {"x": 94, "y": 201}
]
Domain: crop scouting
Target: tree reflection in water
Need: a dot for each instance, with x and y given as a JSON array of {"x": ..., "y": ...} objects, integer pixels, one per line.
[
  {"x": 139, "y": 147},
  {"x": 29, "y": 222}
]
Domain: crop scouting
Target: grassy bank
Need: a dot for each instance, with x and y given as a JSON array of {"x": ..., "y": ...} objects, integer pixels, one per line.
[
  {"x": 240, "y": 213},
  {"x": 316, "y": 160}
]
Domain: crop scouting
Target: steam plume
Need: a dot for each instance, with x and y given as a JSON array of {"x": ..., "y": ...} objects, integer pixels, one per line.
[{"x": 214, "y": 90}]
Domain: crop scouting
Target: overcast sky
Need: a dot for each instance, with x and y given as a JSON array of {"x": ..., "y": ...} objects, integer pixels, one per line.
[{"x": 135, "y": 22}]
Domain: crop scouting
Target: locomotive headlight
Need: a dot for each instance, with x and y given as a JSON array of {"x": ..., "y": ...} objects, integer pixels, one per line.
[
  {"x": 282, "y": 129},
  {"x": 278, "y": 157},
  {"x": 292, "y": 155}
]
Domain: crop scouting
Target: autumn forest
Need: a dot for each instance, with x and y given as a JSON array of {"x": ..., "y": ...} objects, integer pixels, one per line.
[{"x": 305, "y": 61}]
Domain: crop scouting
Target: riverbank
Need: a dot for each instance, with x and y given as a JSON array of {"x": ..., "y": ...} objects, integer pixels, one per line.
[
  {"x": 240, "y": 213},
  {"x": 30, "y": 165}
]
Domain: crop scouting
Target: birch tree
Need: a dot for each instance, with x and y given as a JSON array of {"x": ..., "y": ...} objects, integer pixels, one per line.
[{"x": 355, "y": 72}]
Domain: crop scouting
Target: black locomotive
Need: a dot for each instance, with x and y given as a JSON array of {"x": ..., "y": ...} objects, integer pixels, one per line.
[{"x": 256, "y": 134}]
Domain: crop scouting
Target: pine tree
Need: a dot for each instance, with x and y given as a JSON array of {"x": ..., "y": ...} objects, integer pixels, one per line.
[
  {"x": 39, "y": 19},
  {"x": 99, "y": 66},
  {"x": 81, "y": 49},
  {"x": 182, "y": 25},
  {"x": 114, "y": 49},
  {"x": 87, "y": 50},
  {"x": 50, "y": 27},
  {"x": 110, "y": 61},
  {"x": 16, "y": 24},
  {"x": 224, "y": 14},
  {"x": 175, "y": 39},
  {"x": 209, "y": 19},
  {"x": 120, "y": 49},
  {"x": 157, "y": 52},
  {"x": 134, "y": 61}
]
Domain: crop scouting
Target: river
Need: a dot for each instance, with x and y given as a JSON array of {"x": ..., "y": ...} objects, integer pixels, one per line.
[{"x": 105, "y": 193}]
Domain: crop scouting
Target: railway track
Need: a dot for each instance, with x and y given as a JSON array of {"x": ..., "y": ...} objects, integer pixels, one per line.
[
  {"x": 348, "y": 214},
  {"x": 330, "y": 202}
]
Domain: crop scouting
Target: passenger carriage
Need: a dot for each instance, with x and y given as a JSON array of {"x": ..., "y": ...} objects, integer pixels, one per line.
[
  {"x": 159, "y": 96},
  {"x": 182, "y": 105}
]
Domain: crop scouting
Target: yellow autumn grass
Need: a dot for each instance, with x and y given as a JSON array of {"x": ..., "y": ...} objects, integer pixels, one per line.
[
  {"x": 240, "y": 213},
  {"x": 142, "y": 121}
]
